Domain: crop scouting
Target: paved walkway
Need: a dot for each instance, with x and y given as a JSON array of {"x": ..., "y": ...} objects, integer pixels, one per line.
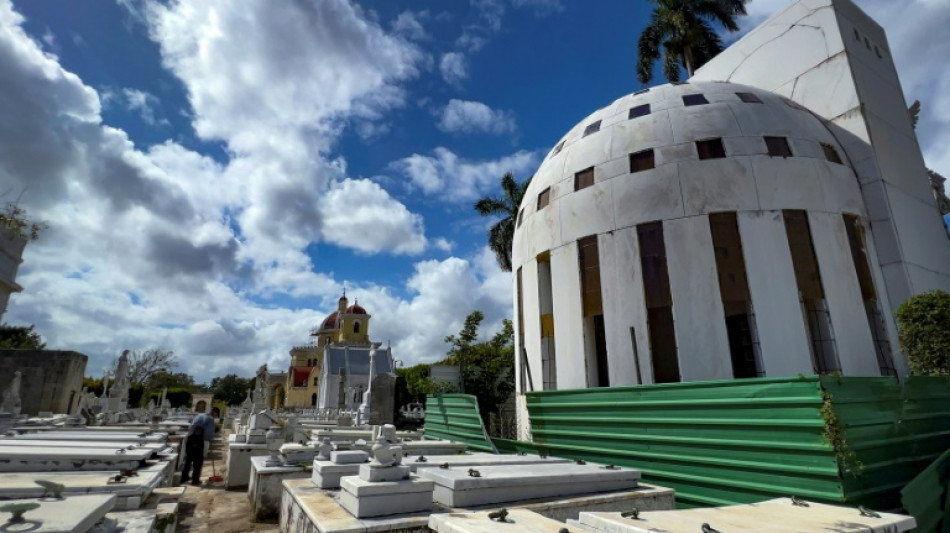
[{"x": 210, "y": 508}]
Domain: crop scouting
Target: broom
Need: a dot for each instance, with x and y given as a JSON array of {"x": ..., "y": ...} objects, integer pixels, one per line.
[{"x": 215, "y": 478}]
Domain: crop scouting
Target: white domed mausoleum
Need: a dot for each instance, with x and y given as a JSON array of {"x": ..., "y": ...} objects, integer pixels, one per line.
[{"x": 763, "y": 219}]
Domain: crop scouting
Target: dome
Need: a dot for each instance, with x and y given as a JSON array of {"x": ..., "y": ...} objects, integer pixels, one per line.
[
  {"x": 638, "y": 160},
  {"x": 355, "y": 309},
  {"x": 329, "y": 322}
]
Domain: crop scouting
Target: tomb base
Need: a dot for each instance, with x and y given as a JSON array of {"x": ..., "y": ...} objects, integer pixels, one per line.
[
  {"x": 364, "y": 499},
  {"x": 327, "y": 474}
]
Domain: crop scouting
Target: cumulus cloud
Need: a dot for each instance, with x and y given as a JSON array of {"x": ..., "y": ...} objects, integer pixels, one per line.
[
  {"x": 463, "y": 116},
  {"x": 164, "y": 246},
  {"x": 454, "y": 68},
  {"x": 362, "y": 215},
  {"x": 456, "y": 179}
]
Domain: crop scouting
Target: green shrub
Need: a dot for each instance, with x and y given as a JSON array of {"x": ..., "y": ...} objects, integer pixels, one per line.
[
  {"x": 923, "y": 329},
  {"x": 178, "y": 397}
]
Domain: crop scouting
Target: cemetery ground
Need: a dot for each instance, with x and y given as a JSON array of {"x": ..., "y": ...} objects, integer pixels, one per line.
[{"x": 211, "y": 508}]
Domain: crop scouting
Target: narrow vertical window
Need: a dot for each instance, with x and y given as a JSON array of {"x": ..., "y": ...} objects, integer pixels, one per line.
[
  {"x": 778, "y": 147},
  {"x": 593, "y": 311},
  {"x": 593, "y": 127},
  {"x": 520, "y": 217},
  {"x": 710, "y": 149},
  {"x": 882, "y": 346},
  {"x": 643, "y": 160},
  {"x": 544, "y": 197},
  {"x": 584, "y": 179},
  {"x": 736, "y": 299},
  {"x": 546, "y": 317},
  {"x": 659, "y": 303},
  {"x": 812, "y": 293},
  {"x": 519, "y": 342}
]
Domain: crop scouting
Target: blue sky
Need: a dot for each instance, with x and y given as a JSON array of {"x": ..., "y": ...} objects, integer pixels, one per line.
[{"x": 213, "y": 173}]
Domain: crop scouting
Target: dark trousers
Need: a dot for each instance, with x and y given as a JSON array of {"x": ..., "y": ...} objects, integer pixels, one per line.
[{"x": 194, "y": 457}]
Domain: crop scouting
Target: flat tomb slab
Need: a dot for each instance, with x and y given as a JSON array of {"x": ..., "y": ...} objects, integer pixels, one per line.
[
  {"x": 131, "y": 492},
  {"x": 117, "y": 436},
  {"x": 772, "y": 516},
  {"x": 455, "y": 487},
  {"x": 432, "y": 447},
  {"x": 327, "y": 474},
  {"x": 68, "y": 459},
  {"x": 309, "y": 509},
  {"x": 479, "y": 460},
  {"x": 154, "y": 447},
  {"x": 76, "y": 514},
  {"x": 517, "y": 521}
]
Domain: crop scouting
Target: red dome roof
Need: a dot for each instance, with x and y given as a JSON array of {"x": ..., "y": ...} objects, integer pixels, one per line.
[
  {"x": 355, "y": 309},
  {"x": 329, "y": 322}
]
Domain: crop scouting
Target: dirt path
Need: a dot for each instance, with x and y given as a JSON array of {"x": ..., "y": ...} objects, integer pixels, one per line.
[{"x": 210, "y": 508}]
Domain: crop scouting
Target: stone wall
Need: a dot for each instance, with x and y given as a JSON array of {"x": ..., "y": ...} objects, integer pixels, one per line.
[{"x": 52, "y": 379}]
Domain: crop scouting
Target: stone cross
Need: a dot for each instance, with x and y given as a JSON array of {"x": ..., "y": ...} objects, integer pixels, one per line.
[{"x": 11, "y": 396}]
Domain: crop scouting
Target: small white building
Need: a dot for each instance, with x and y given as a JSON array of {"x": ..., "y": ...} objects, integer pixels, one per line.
[{"x": 763, "y": 219}]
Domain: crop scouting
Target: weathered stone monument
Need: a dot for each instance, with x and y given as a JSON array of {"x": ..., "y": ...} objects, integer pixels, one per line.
[
  {"x": 11, "y": 396},
  {"x": 382, "y": 402},
  {"x": 119, "y": 392}
]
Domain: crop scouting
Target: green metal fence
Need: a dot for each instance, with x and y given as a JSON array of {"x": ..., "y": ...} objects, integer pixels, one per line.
[
  {"x": 927, "y": 497},
  {"x": 832, "y": 439},
  {"x": 455, "y": 417}
]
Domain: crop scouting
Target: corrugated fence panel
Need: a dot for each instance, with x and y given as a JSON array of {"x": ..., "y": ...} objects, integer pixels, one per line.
[
  {"x": 456, "y": 417},
  {"x": 714, "y": 442},
  {"x": 927, "y": 498},
  {"x": 894, "y": 431}
]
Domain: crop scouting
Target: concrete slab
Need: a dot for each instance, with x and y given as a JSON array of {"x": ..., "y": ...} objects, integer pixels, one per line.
[
  {"x": 457, "y": 487},
  {"x": 154, "y": 447},
  {"x": 366, "y": 499},
  {"x": 478, "y": 460},
  {"x": 772, "y": 516},
  {"x": 114, "y": 436},
  {"x": 517, "y": 521},
  {"x": 130, "y": 493},
  {"x": 27, "y": 459},
  {"x": 72, "y": 515}
]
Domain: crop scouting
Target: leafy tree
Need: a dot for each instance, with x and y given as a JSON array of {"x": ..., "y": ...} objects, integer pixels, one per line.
[
  {"x": 682, "y": 31},
  {"x": 179, "y": 397},
  {"x": 503, "y": 232},
  {"x": 20, "y": 338},
  {"x": 923, "y": 330},
  {"x": 163, "y": 378},
  {"x": 486, "y": 368},
  {"x": 14, "y": 218},
  {"x": 417, "y": 382},
  {"x": 231, "y": 389},
  {"x": 93, "y": 385},
  {"x": 144, "y": 364}
]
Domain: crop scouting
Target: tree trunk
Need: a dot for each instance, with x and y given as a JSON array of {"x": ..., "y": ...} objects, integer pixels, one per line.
[{"x": 688, "y": 60}]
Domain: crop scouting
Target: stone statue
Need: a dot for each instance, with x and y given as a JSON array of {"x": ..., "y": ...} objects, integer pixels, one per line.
[
  {"x": 82, "y": 403},
  {"x": 11, "y": 396},
  {"x": 385, "y": 451}
]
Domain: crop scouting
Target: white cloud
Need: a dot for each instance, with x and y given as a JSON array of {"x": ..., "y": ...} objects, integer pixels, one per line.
[
  {"x": 463, "y": 116},
  {"x": 359, "y": 214},
  {"x": 167, "y": 247},
  {"x": 454, "y": 68},
  {"x": 441, "y": 243},
  {"x": 142, "y": 102},
  {"x": 409, "y": 24},
  {"x": 459, "y": 180}
]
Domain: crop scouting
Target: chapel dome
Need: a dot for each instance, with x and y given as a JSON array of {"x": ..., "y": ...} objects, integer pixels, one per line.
[
  {"x": 766, "y": 153},
  {"x": 329, "y": 323},
  {"x": 355, "y": 309}
]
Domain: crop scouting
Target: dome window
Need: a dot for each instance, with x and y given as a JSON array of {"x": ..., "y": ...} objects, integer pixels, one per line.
[
  {"x": 520, "y": 217},
  {"x": 710, "y": 149},
  {"x": 778, "y": 147},
  {"x": 639, "y": 111},
  {"x": 641, "y": 91},
  {"x": 592, "y": 128},
  {"x": 831, "y": 154},
  {"x": 544, "y": 198},
  {"x": 694, "y": 99},
  {"x": 643, "y": 160},
  {"x": 749, "y": 98},
  {"x": 584, "y": 179},
  {"x": 557, "y": 149}
]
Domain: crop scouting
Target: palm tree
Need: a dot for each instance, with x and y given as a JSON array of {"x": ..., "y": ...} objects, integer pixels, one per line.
[
  {"x": 683, "y": 30},
  {"x": 501, "y": 234}
]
